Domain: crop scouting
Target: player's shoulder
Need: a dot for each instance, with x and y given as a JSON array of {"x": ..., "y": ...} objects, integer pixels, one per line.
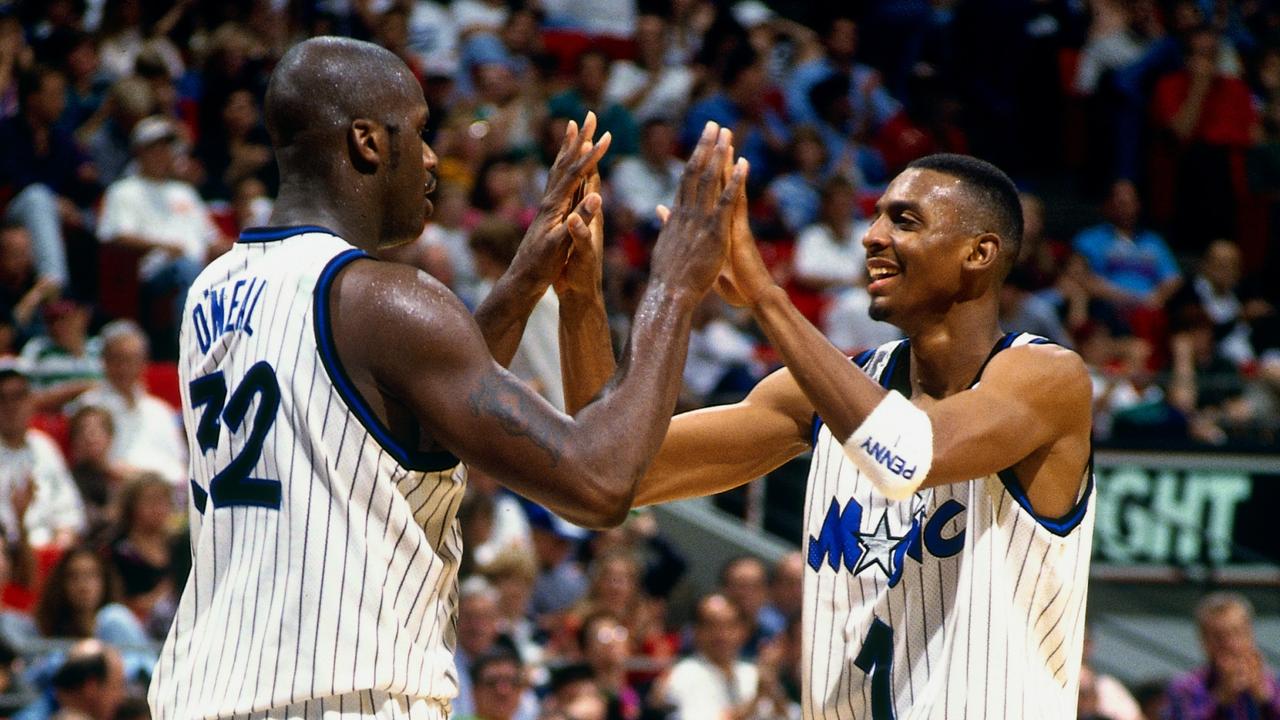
[{"x": 1039, "y": 368}]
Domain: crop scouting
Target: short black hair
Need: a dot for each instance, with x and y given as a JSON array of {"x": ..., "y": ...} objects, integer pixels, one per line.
[
  {"x": 498, "y": 655},
  {"x": 78, "y": 670},
  {"x": 566, "y": 675},
  {"x": 741, "y": 59},
  {"x": 995, "y": 193}
]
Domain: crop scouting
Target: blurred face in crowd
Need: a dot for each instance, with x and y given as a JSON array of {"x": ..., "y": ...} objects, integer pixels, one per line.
[
  {"x": 1222, "y": 265},
  {"x": 47, "y": 103},
  {"x": 240, "y": 114},
  {"x": 839, "y": 207},
  {"x": 84, "y": 582},
  {"x": 786, "y": 588},
  {"x": 159, "y": 160},
  {"x": 15, "y": 409},
  {"x": 83, "y": 60},
  {"x": 496, "y": 82},
  {"x": 606, "y": 647},
  {"x": 521, "y": 32},
  {"x": 592, "y": 73},
  {"x": 1123, "y": 207},
  {"x": 113, "y": 690},
  {"x": 514, "y": 591},
  {"x": 651, "y": 41},
  {"x": 842, "y": 39},
  {"x": 1227, "y": 633},
  {"x": 746, "y": 584},
  {"x": 16, "y": 260},
  {"x": 91, "y": 438},
  {"x": 1032, "y": 219},
  {"x": 617, "y": 582},
  {"x": 71, "y": 328},
  {"x": 1203, "y": 49},
  {"x": 749, "y": 87},
  {"x": 152, "y": 508},
  {"x": 719, "y": 632},
  {"x": 394, "y": 33},
  {"x": 659, "y": 142},
  {"x": 124, "y": 359},
  {"x": 477, "y": 624},
  {"x": 497, "y": 690},
  {"x": 809, "y": 155}
]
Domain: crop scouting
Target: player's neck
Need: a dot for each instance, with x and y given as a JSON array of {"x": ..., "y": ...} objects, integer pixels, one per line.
[
  {"x": 309, "y": 203},
  {"x": 948, "y": 352}
]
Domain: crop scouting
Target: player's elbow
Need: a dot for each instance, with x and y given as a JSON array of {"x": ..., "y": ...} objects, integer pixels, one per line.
[{"x": 602, "y": 501}]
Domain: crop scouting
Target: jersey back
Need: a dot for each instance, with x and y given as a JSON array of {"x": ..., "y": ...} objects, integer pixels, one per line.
[{"x": 324, "y": 554}]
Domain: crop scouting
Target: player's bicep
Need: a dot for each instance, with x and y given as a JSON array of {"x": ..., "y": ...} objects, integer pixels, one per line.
[
  {"x": 719, "y": 448},
  {"x": 1027, "y": 399}
]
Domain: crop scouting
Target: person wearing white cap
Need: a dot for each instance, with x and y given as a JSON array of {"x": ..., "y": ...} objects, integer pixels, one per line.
[
  {"x": 154, "y": 212},
  {"x": 39, "y": 501}
]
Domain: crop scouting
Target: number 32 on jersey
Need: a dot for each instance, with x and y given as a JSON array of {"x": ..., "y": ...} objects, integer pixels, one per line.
[{"x": 232, "y": 486}]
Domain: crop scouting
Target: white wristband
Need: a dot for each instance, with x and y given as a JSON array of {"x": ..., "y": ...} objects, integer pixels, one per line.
[{"x": 893, "y": 447}]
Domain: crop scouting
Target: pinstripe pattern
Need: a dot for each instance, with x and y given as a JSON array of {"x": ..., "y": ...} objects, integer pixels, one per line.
[
  {"x": 339, "y": 604},
  {"x": 990, "y": 629}
]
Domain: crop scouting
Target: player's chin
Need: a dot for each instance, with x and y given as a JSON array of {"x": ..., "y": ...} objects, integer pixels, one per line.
[{"x": 880, "y": 309}]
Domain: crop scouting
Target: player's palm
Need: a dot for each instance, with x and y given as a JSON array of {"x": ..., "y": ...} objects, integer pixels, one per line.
[
  {"x": 744, "y": 277},
  {"x": 582, "y": 272}
]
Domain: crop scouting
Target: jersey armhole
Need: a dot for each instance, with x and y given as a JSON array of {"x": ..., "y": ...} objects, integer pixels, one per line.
[
  {"x": 408, "y": 458},
  {"x": 1060, "y": 526}
]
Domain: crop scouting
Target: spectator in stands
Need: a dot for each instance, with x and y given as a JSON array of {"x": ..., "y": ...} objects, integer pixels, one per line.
[
  {"x": 450, "y": 257},
  {"x": 714, "y": 682},
  {"x": 741, "y": 104},
  {"x": 1236, "y": 684},
  {"x": 721, "y": 363},
  {"x": 107, "y": 137},
  {"x": 45, "y": 168},
  {"x": 90, "y": 683},
  {"x": 1130, "y": 266},
  {"x": 537, "y": 359},
  {"x": 236, "y": 148},
  {"x": 161, "y": 216},
  {"x": 588, "y": 93},
  {"x": 745, "y": 581},
  {"x": 605, "y": 644},
  {"x": 1101, "y": 695},
  {"x": 98, "y": 479},
  {"x": 76, "y": 53},
  {"x": 146, "y": 428},
  {"x": 1021, "y": 310},
  {"x": 14, "y": 693},
  {"x": 501, "y": 688},
  {"x": 829, "y": 254},
  {"x": 65, "y": 357},
  {"x": 650, "y": 87},
  {"x": 140, "y": 553},
  {"x": 477, "y": 638},
  {"x": 78, "y": 587},
  {"x": 561, "y": 582},
  {"x": 1207, "y": 387},
  {"x": 835, "y": 123},
  {"x": 1211, "y": 118},
  {"x": 1041, "y": 257},
  {"x": 796, "y": 196},
  {"x": 509, "y": 526},
  {"x": 1232, "y": 308},
  {"x": 786, "y": 583},
  {"x": 22, "y": 289},
  {"x": 511, "y": 572},
  {"x": 614, "y": 587},
  {"x": 36, "y": 491},
  {"x": 133, "y": 708},
  {"x": 641, "y": 183},
  {"x": 501, "y": 191}
]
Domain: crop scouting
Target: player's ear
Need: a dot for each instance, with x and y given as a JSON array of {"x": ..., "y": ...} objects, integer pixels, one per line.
[
  {"x": 364, "y": 139},
  {"x": 983, "y": 251}
]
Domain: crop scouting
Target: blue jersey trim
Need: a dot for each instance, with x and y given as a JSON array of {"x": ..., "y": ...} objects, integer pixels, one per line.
[
  {"x": 861, "y": 361},
  {"x": 410, "y": 459},
  {"x": 1060, "y": 526},
  {"x": 271, "y": 234}
]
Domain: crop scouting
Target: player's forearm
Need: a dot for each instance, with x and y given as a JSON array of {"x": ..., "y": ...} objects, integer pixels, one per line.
[
  {"x": 586, "y": 353},
  {"x": 842, "y": 394},
  {"x": 503, "y": 313},
  {"x": 638, "y": 402}
]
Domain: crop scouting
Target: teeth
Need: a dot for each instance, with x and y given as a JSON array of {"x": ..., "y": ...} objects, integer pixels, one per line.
[{"x": 880, "y": 273}]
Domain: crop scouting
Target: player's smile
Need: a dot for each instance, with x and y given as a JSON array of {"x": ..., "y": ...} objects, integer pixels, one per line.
[{"x": 881, "y": 272}]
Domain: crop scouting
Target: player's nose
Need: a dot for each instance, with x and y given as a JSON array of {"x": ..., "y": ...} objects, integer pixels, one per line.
[
  {"x": 429, "y": 158},
  {"x": 877, "y": 237}
]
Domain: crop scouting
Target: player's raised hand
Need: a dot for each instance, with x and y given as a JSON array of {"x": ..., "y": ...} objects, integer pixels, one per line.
[
  {"x": 547, "y": 241},
  {"x": 691, "y": 246},
  {"x": 744, "y": 277},
  {"x": 583, "y": 269}
]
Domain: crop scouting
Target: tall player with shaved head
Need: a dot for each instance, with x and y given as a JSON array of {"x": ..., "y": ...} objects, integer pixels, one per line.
[
  {"x": 331, "y": 400},
  {"x": 948, "y": 516}
]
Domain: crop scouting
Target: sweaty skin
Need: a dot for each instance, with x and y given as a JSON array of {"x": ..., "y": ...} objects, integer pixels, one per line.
[
  {"x": 353, "y": 161},
  {"x": 1031, "y": 411}
]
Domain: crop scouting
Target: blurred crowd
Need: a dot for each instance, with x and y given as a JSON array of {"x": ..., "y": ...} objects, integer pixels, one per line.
[{"x": 1145, "y": 135}]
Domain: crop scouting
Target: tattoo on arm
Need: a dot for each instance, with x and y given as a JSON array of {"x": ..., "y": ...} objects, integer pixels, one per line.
[{"x": 512, "y": 407}]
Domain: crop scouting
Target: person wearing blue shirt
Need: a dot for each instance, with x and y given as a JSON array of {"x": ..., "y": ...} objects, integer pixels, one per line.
[
  {"x": 759, "y": 133},
  {"x": 870, "y": 102},
  {"x": 1130, "y": 266}
]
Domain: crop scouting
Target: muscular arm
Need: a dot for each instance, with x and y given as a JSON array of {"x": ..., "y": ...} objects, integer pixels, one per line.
[
  {"x": 719, "y": 448},
  {"x": 582, "y": 468}
]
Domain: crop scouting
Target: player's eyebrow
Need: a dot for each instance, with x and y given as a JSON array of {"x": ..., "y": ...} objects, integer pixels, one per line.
[{"x": 897, "y": 207}]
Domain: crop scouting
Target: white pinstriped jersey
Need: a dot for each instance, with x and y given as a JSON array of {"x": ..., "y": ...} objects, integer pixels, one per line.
[
  {"x": 959, "y": 602},
  {"x": 324, "y": 568}
]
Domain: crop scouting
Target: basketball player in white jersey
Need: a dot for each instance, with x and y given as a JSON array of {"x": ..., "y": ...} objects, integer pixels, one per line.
[
  {"x": 948, "y": 513},
  {"x": 330, "y": 398}
]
